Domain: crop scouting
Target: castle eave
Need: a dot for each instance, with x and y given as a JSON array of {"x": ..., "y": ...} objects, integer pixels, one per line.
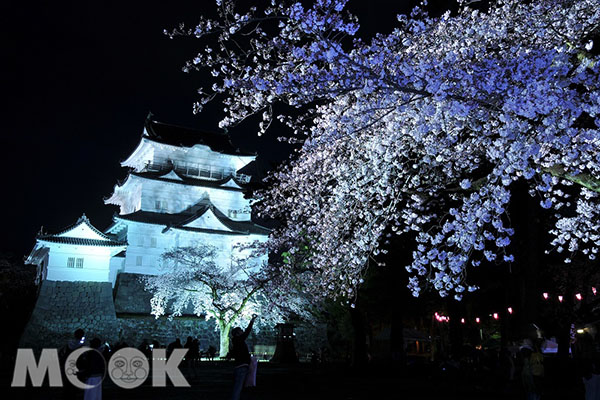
[{"x": 81, "y": 241}]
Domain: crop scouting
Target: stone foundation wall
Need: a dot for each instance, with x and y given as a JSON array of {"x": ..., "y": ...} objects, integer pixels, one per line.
[
  {"x": 135, "y": 328},
  {"x": 132, "y": 298},
  {"x": 62, "y": 307}
]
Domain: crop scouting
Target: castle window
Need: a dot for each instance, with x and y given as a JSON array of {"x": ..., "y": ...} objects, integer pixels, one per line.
[
  {"x": 138, "y": 261},
  {"x": 71, "y": 262},
  {"x": 153, "y": 242},
  {"x": 204, "y": 172},
  {"x": 79, "y": 263},
  {"x": 160, "y": 205}
]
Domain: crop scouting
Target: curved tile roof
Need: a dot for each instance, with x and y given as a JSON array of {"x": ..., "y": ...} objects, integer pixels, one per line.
[
  {"x": 186, "y": 180},
  {"x": 178, "y": 221},
  {"x": 175, "y": 135},
  {"x": 105, "y": 240},
  {"x": 80, "y": 241}
]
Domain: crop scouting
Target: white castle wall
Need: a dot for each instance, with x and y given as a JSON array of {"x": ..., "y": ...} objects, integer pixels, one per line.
[
  {"x": 147, "y": 243},
  {"x": 95, "y": 263},
  {"x": 197, "y": 155},
  {"x": 175, "y": 198}
]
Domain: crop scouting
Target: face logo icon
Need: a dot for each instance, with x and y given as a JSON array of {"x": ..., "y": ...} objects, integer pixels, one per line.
[
  {"x": 71, "y": 367},
  {"x": 72, "y": 370},
  {"x": 128, "y": 368}
]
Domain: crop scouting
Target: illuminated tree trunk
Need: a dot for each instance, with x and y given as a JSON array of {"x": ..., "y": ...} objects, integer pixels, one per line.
[{"x": 224, "y": 329}]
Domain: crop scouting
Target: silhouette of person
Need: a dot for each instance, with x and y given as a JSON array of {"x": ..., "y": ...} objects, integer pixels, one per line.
[
  {"x": 211, "y": 352},
  {"x": 92, "y": 369},
  {"x": 173, "y": 345},
  {"x": 188, "y": 345},
  {"x": 78, "y": 339},
  {"x": 145, "y": 348},
  {"x": 241, "y": 356},
  {"x": 195, "y": 350}
]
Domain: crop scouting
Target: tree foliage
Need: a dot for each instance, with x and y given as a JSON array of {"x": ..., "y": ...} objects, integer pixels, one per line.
[
  {"x": 419, "y": 132},
  {"x": 192, "y": 281}
]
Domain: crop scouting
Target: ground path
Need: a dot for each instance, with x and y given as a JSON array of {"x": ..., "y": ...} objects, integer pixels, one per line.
[{"x": 213, "y": 380}]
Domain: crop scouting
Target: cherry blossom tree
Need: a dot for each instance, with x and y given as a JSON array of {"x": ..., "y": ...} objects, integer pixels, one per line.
[
  {"x": 419, "y": 132},
  {"x": 192, "y": 279}
]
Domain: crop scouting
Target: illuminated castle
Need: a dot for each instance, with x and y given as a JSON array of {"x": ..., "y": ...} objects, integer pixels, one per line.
[{"x": 184, "y": 187}]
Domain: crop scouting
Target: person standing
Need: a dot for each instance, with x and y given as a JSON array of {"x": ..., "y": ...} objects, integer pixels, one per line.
[
  {"x": 537, "y": 366},
  {"x": 531, "y": 391},
  {"x": 77, "y": 341},
  {"x": 241, "y": 356},
  {"x": 176, "y": 344},
  {"x": 93, "y": 369}
]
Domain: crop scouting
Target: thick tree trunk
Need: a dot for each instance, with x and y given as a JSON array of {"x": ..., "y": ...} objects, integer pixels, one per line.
[
  {"x": 223, "y": 338},
  {"x": 397, "y": 337},
  {"x": 455, "y": 330},
  {"x": 359, "y": 358},
  {"x": 564, "y": 341},
  {"x": 527, "y": 262},
  {"x": 397, "y": 327}
]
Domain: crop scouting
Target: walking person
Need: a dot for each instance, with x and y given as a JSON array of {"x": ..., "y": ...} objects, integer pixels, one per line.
[{"x": 239, "y": 352}]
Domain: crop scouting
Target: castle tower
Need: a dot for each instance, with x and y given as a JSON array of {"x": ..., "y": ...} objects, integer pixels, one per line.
[{"x": 183, "y": 188}]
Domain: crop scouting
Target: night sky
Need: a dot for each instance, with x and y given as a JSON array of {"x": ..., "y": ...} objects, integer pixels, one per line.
[{"x": 79, "y": 78}]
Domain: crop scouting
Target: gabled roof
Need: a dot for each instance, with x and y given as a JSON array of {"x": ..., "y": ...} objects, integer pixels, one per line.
[
  {"x": 80, "y": 241},
  {"x": 83, "y": 228},
  {"x": 172, "y": 175},
  {"x": 81, "y": 233},
  {"x": 206, "y": 220},
  {"x": 198, "y": 221},
  {"x": 175, "y": 135}
]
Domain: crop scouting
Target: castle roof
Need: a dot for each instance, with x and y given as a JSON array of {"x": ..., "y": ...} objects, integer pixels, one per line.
[
  {"x": 176, "y": 135},
  {"x": 206, "y": 218},
  {"x": 81, "y": 241},
  {"x": 171, "y": 175},
  {"x": 81, "y": 233}
]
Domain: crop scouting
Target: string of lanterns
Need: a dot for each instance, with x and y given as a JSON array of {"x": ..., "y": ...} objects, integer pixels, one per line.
[
  {"x": 444, "y": 318},
  {"x": 561, "y": 298}
]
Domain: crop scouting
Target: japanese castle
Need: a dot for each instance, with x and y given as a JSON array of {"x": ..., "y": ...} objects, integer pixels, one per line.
[{"x": 184, "y": 186}]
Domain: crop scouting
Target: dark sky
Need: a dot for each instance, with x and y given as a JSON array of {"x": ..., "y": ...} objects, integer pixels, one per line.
[{"x": 79, "y": 78}]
